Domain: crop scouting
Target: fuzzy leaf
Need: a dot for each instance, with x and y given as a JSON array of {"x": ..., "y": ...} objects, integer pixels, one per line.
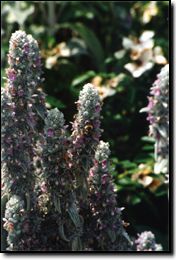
[
  {"x": 61, "y": 233},
  {"x": 76, "y": 244},
  {"x": 74, "y": 216},
  {"x": 40, "y": 110},
  {"x": 57, "y": 204},
  {"x": 112, "y": 235}
]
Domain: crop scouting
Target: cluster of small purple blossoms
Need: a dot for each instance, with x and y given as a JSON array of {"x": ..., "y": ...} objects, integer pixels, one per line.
[
  {"x": 57, "y": 190},
  {"x": 158, "y": 117},
  {"x": 15, "y": 221},
  {"x": 146, "y": 242},
  {"x": 110, "y": 232},
  {"x": 19, "y": 116},
  {"x": 85, "y": 135},
  {"x": 58, "y": 180},
  {"x": 86, "y": 127},
  {"x": 19, "y": 226},
  {"x": 24, "y": 72},
  {"x": 18, "y": 129}
]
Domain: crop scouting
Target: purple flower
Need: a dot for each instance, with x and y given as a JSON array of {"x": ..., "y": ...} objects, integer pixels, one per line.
[
  {"x": 155, "y": 91},
  {"x": 79, "y": 141},
  {"x": 50, "y": 132},
  {"x": 95, "y": 163},
  {"x": 97, "y": 108},
  {"x": 20, "y": 92},
  {"x": 43, "y": 187},
  {"x": 38, "y": 61},
  {"x": 118, "y": 210},
  {"x": 26, "y": 48},
  {"x": 104, "y": 179},
  {"x": 96, "y": 123},
  {"x": 151, "y": 119},
  {"x": 91, "y": 173},
  {"x": 11, "y": 74},
  {"x": 104, "y": 164},
  {"x": 13, "y": 114},
  {"x": 151, "y": 103}
]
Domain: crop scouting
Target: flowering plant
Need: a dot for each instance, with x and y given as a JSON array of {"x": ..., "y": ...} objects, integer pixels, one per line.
[
  {"x": 69, "y": 204},
  {"x": 158, "y": 117},
  {"x": 143, "y": 53},
  {"x": 146, "y": 242}
]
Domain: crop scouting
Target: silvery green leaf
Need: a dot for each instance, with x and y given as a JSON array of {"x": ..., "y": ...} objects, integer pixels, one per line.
[
  {"x": 74, "y": 215},
  {"x": 165, "y": 104},
  {"x": 76, "y": 244},
  {"x": 124, "y": 233},
  {"x": 28, "y": 201},
  {"x": 145, "y": 109},
  {"x": 162, "y": 131},
  {"x": 4, "y": 200},
  {"x": 112, "y": 235},
  {"x": 23, "y": 166},
  {"x": 61, "y": 233},
  {"x": 40, "y": 110},
  {"x": 57, "y": 204}
]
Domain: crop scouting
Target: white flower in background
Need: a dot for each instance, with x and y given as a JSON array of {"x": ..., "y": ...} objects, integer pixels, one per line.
[
  {"x": 143, "y": 53},
  {"x": 51, "y": 61},
  {"x": 64, "y": 50},
  {"x": 145, "y": 11},
  {"x": 144, "y": 176},
  {"x": 107, "y": 88},
  {"x": 61, "y": 50},
  {"x": 150, "y": 11}
]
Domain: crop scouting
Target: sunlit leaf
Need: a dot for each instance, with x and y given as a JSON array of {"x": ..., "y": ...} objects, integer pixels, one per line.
[{"x": 81, "y": 78}]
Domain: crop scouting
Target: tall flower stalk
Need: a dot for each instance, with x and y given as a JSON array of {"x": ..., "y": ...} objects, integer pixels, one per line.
[
  {"x": 85, "y": 135},
  {"x": 59, "y": 181},
  {"x": 57, "y": 191},
  {"x": 158, "y": 117},
  {"x": 19, "y": 123},
  {"x": 23, "y": 76},
  {"x": 109, "y": 229}
]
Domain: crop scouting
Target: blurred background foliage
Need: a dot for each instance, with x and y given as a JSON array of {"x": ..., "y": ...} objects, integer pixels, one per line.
[{"x": 119, "y": 47}]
